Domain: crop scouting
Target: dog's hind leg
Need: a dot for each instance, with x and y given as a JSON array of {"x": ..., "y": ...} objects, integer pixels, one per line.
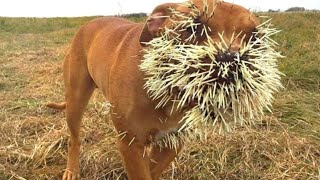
[{"x": 79, "y": 88}]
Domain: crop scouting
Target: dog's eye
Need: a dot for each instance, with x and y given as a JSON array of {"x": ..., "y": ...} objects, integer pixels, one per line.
[
  {"x": 195, "y": 32},
  {"x": 256, "y": 35},
  {"x": 195, "y": 27},
  {"x": 189, "y": 30}
]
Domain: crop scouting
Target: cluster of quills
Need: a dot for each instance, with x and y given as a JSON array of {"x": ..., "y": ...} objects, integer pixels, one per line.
[{"x": 229, "y": 89}]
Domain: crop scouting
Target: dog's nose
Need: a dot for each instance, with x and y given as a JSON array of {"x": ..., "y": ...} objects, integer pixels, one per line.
[{"x": 226, "y": 56}]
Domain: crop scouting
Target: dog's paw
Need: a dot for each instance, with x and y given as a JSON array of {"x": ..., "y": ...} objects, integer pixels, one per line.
[{"x": 70, "y": 175}]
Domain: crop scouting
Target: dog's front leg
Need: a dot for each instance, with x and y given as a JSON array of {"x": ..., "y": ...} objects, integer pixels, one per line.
[
  {"x": 161, "y": 160},
  {"x": 137, "y": 166}
]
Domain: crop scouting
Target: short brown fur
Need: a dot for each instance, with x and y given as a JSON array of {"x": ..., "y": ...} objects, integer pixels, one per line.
[{"x": 105, "y": 54}]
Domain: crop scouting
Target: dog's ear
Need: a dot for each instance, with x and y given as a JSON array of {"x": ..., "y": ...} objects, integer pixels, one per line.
[{"x": 156, "y": 21}]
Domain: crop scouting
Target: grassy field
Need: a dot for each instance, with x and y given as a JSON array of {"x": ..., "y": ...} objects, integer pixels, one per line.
[{"x": 33, "y": 139}]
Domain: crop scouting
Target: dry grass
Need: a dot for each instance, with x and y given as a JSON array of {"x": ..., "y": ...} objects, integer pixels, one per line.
[{"x": 33, "y": 138}]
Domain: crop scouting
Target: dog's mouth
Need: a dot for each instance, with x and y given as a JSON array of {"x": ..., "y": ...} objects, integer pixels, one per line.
[{"x": 226, "y": 87}]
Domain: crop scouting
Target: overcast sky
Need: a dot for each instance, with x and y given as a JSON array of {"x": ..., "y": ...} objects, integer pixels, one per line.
[{"x": 71, "y": 8}]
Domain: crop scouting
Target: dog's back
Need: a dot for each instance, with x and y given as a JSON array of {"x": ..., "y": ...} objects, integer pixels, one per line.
[
  {"x": 96, "y": 47},
  {"x": 113, "y": 27},
  {"x": 104, "y": 43}
]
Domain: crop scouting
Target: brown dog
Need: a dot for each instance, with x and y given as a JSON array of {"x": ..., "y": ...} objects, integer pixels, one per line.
[{"x": 106, "y": 53}]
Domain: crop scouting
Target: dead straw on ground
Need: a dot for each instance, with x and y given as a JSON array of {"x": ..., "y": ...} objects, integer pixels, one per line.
[{"x": 33, "y": 139}]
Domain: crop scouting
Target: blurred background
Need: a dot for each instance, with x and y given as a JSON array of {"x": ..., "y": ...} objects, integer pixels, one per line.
[{"x": 76, "y": 8}]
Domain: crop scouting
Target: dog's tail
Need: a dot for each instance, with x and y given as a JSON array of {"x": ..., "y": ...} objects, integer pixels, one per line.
[{"x": 59, "y": 106}]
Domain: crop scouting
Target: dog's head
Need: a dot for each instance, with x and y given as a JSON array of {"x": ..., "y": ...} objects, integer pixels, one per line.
[
  {"x": 220, "y": 17},
  {"x": 213, "y": 54}
]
